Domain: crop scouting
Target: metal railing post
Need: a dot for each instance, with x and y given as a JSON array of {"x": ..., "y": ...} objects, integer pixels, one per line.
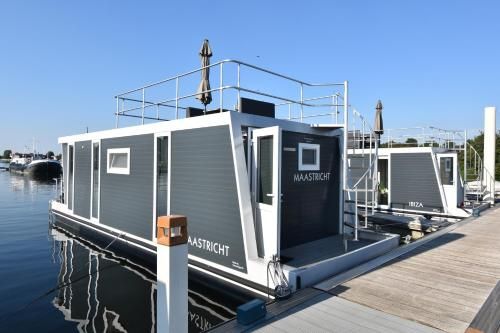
[
  {"x": 356, "y": 218},
  {"x": 220, "y": 88},
  {"x": 336, "y": 108},
  {"x": 366, "y": 200},
  {"x": 465, "y": 165},
  {"x": 346, "y": 132},
  {"x": 142, "y": 112},
  {"x": 344, "y": 156},
  {"x": 177, "y": 98},
  {"x": 238, "y": 84},
  {"x": 375, "y": 185},
  {"x": 117, "y": 111},
  {"x": 301, "y": 102}
]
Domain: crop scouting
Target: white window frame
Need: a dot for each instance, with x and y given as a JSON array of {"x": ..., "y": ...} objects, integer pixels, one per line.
[
  {"x": 310, "y": 146},
  {"x": 119, "y": 171}
]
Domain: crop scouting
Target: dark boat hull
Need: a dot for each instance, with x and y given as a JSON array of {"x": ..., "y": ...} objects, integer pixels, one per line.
[{"x": 44, "y": 170}]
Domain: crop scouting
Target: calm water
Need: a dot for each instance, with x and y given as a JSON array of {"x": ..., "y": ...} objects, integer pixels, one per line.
[{"x": 51, "y": 282}]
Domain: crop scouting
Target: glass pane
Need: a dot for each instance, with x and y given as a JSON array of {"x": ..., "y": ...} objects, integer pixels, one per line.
[
  {"x": 265, "y": 168},
  {"x": 309, "y": 156},
  {"x": 162, "y": 176},
  {"x": 118, "y": 160},
  {"x": 70, "y": 177},
  {"x": 446, "y": 170},
  {"x": 383, "y": 186},
  {"x": 95, "y": 184}
]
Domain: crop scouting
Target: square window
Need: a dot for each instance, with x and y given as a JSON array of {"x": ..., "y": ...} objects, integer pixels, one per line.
[
  {"x": 308, "y": 157},
  {"x": 119, "y": 161}
]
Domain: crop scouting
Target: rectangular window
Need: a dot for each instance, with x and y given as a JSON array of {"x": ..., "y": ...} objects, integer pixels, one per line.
[
  {"x": 265, "y": 170},
  {"x": 308, "y": 157},
  {"x": 70, "y": 176},
  {"x": 95, "y": 185},
  {"x": 119, "y": 161},
  {"x": 446, "y": 170},
  {"x": 161, "y": 175}
]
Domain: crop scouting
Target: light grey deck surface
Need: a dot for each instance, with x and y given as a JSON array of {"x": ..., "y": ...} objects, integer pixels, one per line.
[
  {"x": 325, "y": 248},
  {"x": 327, "y": 313},
  {"x": 442, "y": 283}
]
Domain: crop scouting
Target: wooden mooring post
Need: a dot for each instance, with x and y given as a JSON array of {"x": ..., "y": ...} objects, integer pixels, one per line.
[{"x": 172, "y": 274}]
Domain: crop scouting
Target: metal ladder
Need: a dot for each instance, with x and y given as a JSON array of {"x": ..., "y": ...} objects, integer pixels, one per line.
[
  {"x": 361, "y": 187},
  {"x": 478, "y": 181}
]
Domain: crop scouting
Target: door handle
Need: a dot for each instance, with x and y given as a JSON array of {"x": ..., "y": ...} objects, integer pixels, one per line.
[{"x": 270, "y": 195}]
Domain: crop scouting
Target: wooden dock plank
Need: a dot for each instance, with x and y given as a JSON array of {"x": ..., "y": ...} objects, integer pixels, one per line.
[
  {"x": 439, "y": 295},
  {"x": 452, "y": 285},
  {"x": 442, "y": 283},
  {"x": 487, "y": 320}
]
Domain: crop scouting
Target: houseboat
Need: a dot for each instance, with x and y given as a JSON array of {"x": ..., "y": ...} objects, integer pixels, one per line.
[
  {"x": 423, "y": 172},
  {"x": 260, "y": 177}
]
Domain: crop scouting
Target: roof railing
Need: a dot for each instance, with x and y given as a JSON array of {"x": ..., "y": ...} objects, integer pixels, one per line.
[
  {"x": 422, "y": 137},
  {"x": 145, "y": 104}
]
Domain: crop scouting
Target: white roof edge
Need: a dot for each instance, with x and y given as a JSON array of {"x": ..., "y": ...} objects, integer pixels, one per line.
[{"x": 184, "y": 123}]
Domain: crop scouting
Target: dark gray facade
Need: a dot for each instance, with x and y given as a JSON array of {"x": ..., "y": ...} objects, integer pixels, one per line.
[
  {"x": 310, "y": 201},
  {"x": 203, "y": 188},
  {"x": 414, "y": 185},
  {"x": 127, "y": 200},
  {"x": 82, "y": 170}
]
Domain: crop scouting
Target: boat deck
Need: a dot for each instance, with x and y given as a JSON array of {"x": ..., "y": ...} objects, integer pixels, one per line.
[
  {"x": 437, "y": 284},
  {"x": 321, "y": 249}
]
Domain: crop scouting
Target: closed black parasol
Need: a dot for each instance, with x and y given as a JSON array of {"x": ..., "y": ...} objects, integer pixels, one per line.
[
  {"x": 203, "y": 93},
  {"x": 379, "y": 123}
]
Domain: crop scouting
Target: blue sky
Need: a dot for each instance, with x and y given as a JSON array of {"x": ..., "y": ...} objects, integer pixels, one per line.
[{"x": 61, "y": 62}]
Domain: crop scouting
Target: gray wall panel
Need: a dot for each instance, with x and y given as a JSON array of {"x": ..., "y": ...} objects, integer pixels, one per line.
[
  {"x": 413, "y": 183},
  {"x": 127, "y": 200},
  {"x": 82, "y": 178},
  {"x": 203, "y": 184}
]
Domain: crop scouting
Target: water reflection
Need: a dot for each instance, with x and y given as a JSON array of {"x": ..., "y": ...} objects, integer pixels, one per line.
[
  {"x": 32, "y": 186},
  {"x": 102, "y": 293}
]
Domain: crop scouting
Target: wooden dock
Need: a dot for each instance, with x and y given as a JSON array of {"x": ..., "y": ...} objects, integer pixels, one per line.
[{"x": 437, "y": 285}]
